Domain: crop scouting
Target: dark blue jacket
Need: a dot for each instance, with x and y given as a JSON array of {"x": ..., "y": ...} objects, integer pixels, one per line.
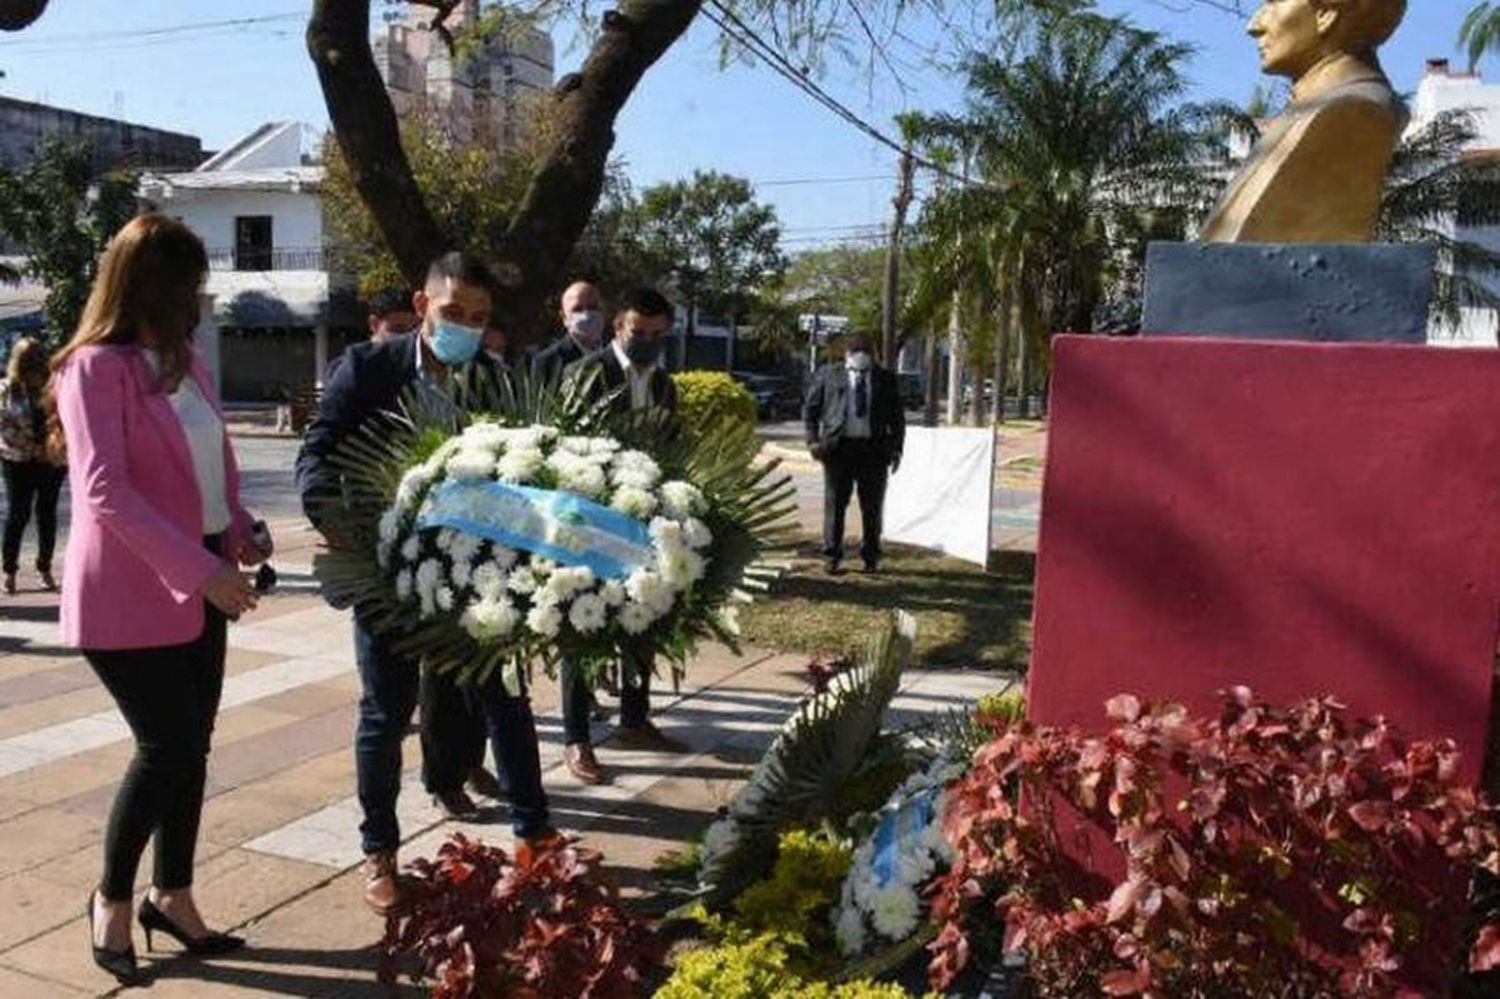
[
  {"x": 369, "y": 380},
  {"x": 549, "y": 363}
]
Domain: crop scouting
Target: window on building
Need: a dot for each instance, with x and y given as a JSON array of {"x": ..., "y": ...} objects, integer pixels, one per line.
[{"x": 252, "y": 243}]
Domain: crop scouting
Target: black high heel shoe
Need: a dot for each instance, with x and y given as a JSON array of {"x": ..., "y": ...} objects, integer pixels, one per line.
[
  {"x": 120, "y": 963},
  {"x": 209, "y": 945}
]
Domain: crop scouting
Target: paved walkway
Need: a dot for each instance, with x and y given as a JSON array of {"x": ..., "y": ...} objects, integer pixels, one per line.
[{"x": 278, "y": 844}]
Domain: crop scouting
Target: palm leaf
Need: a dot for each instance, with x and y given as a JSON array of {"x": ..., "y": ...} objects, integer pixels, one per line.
[{"x": 817, "y": 753}]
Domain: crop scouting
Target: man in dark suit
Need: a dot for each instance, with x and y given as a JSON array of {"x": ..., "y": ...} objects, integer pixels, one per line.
[
  {"x": 444, "y": 354},
  {"x": 630, "y": 372},
  {"x": 582, "y": 316},
  {"x": 857, "y": 428}
]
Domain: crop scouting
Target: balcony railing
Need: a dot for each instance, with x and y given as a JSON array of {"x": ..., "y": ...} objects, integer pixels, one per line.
[{"x": 282, "y": 258}]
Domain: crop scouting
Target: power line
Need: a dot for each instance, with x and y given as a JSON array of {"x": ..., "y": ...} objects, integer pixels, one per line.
[
  {"x": 824, "y": 180},
  {"x": 175, "y": 29}
]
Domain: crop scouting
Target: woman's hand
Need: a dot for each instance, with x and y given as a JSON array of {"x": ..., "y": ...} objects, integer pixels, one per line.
[
  {"x": 258, "y": 547},
  {"x": 230, "y": 592}
]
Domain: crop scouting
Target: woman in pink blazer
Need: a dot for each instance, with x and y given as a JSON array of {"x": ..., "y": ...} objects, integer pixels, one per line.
[{"x": 150, "y": 575}]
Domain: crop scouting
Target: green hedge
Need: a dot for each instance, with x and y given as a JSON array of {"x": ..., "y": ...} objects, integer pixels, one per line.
[{"x": 713, "y": 403}]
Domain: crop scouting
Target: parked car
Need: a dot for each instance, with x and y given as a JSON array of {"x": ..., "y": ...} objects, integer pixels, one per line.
[{"x": 775, "y": 398}]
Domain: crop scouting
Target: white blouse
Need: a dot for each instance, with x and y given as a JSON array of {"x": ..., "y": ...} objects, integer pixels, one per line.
[{"x": 204, "y": 431}]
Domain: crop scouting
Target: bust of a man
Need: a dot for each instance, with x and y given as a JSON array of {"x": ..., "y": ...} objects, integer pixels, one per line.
[{"x": 1318, "y": 172}]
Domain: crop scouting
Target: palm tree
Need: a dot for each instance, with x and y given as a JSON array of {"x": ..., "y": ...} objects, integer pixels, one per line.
[
  {"x": 1435, "y": 190},
  {"x": 1480, "y": 32},
  {"x": 1081, "y": 142}
]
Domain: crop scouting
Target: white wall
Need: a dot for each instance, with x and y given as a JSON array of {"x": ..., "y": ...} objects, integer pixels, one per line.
[{"x": 297, "y": 219}]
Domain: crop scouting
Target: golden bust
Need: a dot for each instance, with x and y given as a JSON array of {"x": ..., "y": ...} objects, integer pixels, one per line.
[{"x": 1318, "y": 172}]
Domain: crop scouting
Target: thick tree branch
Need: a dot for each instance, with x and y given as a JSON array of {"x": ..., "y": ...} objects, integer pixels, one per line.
[
  {"x": 530, "y": 256},
  {"x": 570, "y": 176},
  {"x": 364, "y": 121}
]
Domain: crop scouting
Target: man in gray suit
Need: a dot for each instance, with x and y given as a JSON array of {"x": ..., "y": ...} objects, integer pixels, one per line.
[{"x": 857, "y": 429}]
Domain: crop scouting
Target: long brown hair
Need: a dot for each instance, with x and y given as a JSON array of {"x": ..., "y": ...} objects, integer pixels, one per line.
[
  {"x": 148, "y": 284},
  {"x": 27, "y": 357}
]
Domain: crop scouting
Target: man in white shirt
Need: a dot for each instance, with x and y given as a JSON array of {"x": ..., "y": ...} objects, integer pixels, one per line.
[
  {"x": 630, "y": 370},
  {"x": 856, "y": 427}
]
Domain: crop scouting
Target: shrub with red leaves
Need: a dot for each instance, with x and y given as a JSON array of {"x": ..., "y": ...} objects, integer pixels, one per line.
[
  {"x": 484, "y": 926},
  {"x": 1265, "y": 852}
]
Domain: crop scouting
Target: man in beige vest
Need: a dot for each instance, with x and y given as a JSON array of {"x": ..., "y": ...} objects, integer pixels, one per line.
[{"x": 1318, "y": 172}]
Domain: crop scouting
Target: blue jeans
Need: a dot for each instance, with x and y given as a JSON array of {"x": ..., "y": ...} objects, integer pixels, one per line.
[{"x": 390, "y": 682}]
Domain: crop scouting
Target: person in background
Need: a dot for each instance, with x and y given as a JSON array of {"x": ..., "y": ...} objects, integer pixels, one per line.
[
  {"x": 454, "y": 304},
  {"x": 497, "y": 347},
  {"x": 629, "y": 367},
  {"x": 152, "y": 571},
  {"x": 856, "y": 428},
  {"x": 390, "y": 315},
  {"x": 583, "y": 321},
  {"x": 33, "y": 480}
]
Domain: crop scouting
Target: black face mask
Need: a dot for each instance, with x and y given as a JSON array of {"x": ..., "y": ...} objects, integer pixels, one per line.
[{"x": 643, "y": 352}]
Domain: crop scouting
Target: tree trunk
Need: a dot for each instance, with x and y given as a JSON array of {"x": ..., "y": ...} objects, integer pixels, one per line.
[
  {"x": 957, "y": 362},
  {"x": 932, "y": 369},
  {"x": 1025, "y": 374},
  {"x": 531, "y": 254},
  {"x": 976, "y": 400},
  {"x": 1005, "y": 322},
  {"x": 891, "y": 299}
]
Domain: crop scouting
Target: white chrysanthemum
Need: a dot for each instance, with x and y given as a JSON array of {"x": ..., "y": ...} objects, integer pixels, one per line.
[
  {"x": 545, "y": 619},
  {"x": 505, "y": 558},
  {"x": 634, "y": 501},
  {"x": 635, "y": 618},
  {"x": 490, "y": 435},
  {"x": 429, "y": 603},
  {"x": 851, "y": 931},
  {"x": 519, "y": 466},
  {"x": 383, "y": 554},
  {"x": 445, "y": 539},
  {"x": 696, "y": 533},
  {"x": 681, "y": 500},
  {"x": 576, "y": 445},
  {"x": 488, "y": 580},
  {"x": 404, "y": 584},
  {"x": 465, "y": 547},
  {"x": 490, "y": 618},
  {"x": 604, "y": 446},
  {"x": 565, "y": 582},
  {"x": 584, "y": 479},
  {"x": 895, "y": 911},
  {"x": 390, "y": 523},
  {"x": 645, "y": 587},
  {"x": 411, "y": 548},
  {"x": 587, "y": 614},
  {"x": 523, "y": 581},
  {"x": 461, "y": 574},
  {"x": 413, "y": 483},
  {"x": 613, "y": 593},
  {"x": 668, "y": 535},
  {"x": 681, "y": 568},
  {"x": 445, "y": 598},
  {"x": 429, "y": 577},
  {"x": 472, "y": 464}
]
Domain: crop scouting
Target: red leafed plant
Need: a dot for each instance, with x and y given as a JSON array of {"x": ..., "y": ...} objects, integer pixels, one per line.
[
  {"x": 1266, "y": 852},
  {"x": 485, "y": 926}
]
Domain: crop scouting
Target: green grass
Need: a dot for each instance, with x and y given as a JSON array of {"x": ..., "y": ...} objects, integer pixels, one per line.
[{"x": 965, "y": 616}]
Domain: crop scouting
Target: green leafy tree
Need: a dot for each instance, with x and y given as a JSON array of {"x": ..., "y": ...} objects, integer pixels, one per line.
[
  {"x": 63, "y": 212},
  {"x": 1480, "y": 32},
  {"x": 716, "y": 241}
]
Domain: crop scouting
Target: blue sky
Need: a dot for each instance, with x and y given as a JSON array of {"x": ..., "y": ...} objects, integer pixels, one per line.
[{"x": 687, "y": 113}]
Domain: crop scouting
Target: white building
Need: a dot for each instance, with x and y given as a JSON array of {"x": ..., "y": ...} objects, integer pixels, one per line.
[
  {"x": 487, "y": 87},
  {"x": 258, "y": 208},
  {"x": 1446, "y": 89}
]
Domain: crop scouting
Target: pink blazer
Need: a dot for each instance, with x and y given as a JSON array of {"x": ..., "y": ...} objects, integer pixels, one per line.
[{"x": 135, "y": 564}]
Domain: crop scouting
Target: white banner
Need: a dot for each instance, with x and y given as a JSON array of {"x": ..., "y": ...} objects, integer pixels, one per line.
[{"x": 940, "y": 497}]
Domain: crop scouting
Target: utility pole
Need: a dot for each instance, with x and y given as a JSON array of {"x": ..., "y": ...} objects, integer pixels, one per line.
[{"x": 891, "y": 301}]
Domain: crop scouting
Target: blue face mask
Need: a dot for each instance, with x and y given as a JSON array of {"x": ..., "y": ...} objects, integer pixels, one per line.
[{"x": 454, "y": 343}]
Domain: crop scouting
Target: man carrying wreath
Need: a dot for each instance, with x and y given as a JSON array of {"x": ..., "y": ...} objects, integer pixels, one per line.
[{"x": 444, "y": 353}]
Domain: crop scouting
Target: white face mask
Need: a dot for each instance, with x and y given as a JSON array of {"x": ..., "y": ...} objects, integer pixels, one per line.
[
  {"x": 860, "y": 360},
  {"x": 586, "y": 327}
]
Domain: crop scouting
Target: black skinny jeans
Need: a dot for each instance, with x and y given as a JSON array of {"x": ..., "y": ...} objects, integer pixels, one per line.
[
  {"x": 169, "y": 697},
  {"x": 28, "y": 485}
]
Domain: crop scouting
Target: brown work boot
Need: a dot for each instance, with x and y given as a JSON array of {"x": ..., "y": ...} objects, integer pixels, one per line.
[
  {"x": 647, "y": 738},
  {"x": 583, "y": 764},
  {"x": 382, "y": 883}
]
